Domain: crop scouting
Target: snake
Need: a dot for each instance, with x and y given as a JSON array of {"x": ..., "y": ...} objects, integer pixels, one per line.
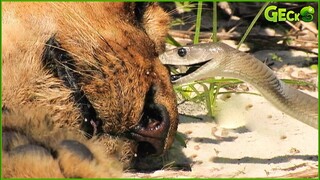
[{"x": 219, "y": 59}]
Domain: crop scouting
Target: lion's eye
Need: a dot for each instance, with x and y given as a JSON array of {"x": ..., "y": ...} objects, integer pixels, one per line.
[{"x": 182, "y": 52}]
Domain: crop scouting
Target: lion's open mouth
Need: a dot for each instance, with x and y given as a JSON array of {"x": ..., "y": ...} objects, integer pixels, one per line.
[{"x": 152, "y": 130}]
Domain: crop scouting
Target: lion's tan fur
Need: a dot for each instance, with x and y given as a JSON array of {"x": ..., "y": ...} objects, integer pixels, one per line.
[{"x": 117, "y": 60}]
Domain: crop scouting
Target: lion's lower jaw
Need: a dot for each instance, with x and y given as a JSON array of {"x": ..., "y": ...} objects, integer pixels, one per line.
[{"x": 119, "y": 148}]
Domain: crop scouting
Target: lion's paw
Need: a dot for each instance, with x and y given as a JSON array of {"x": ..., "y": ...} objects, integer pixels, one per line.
[{"x": 22, "y": 157}]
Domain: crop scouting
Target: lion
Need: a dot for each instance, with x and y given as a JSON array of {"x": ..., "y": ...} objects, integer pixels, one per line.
[{"x": 84, "y": 93}]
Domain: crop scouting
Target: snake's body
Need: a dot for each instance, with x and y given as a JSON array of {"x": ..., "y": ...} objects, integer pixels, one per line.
[{"x": 229, "y": 62}]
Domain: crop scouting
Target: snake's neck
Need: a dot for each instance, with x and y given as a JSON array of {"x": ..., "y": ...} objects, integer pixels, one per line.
[{"x": 289, "y": 100}]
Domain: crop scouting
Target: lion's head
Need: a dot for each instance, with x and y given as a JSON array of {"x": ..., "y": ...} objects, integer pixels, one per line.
[{"x": 95, "y": 66}]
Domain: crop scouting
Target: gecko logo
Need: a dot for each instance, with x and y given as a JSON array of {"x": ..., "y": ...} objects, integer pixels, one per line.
[{"x": 275, "y": 14}]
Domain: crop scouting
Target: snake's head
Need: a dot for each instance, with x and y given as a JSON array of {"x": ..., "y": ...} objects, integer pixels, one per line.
[{"x": 201, "y": 60}]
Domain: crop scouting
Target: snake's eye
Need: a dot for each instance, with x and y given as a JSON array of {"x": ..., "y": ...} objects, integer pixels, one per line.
[{"x": 182, "y": 52}]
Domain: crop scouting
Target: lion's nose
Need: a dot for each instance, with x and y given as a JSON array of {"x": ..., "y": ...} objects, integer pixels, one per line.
[{"x": 152, "y": 130}]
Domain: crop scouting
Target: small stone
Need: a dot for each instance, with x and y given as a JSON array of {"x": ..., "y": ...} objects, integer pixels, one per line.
[
  {"x": 249, "y": 106},
  {"x": 283, "y": 137},
  {"x": 294, "y": 151},
  {"x": 193, "y": 156}
]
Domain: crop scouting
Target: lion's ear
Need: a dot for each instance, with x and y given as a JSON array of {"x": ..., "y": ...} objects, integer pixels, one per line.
[
  {"x": 155, "y": 21},
  {"x": 140, "y": 9}
]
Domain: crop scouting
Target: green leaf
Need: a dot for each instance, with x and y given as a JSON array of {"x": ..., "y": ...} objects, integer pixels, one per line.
[
  {"x": 297, "y": 82},
  {"x": 179, "y": 137},
  {"x": 314, "y": 67},
  {"x": 172, "y": 41}
]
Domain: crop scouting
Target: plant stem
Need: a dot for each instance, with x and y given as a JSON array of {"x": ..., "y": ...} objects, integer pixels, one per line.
[
  {"x": 198, "y": 23},
  {"x": 214, "y": 23},
  {"x": 252, "y": 23}
]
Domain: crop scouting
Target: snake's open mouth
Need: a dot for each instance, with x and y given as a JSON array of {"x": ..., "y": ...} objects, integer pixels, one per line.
[
  {"x": 191, "y": 69},
  {"x": 152, "y": 130}
]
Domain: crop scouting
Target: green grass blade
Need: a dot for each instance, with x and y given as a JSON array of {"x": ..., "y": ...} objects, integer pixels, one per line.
[
  {"x": 297, "y": 82},
  {"x": 214, "y": 23},
  {"x": 252, "y": 24},
  {"x": 198, "y": 23},
  {"x": 172, "y": 41}
]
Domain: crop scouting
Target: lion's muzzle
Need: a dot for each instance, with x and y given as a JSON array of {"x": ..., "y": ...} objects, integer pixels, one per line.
[{"x": 153, "y": 127}]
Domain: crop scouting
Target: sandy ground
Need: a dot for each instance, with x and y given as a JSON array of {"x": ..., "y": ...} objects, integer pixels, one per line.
[
  {"x": 263, "y": 141},
  {"x": 249, "y": 138}
]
